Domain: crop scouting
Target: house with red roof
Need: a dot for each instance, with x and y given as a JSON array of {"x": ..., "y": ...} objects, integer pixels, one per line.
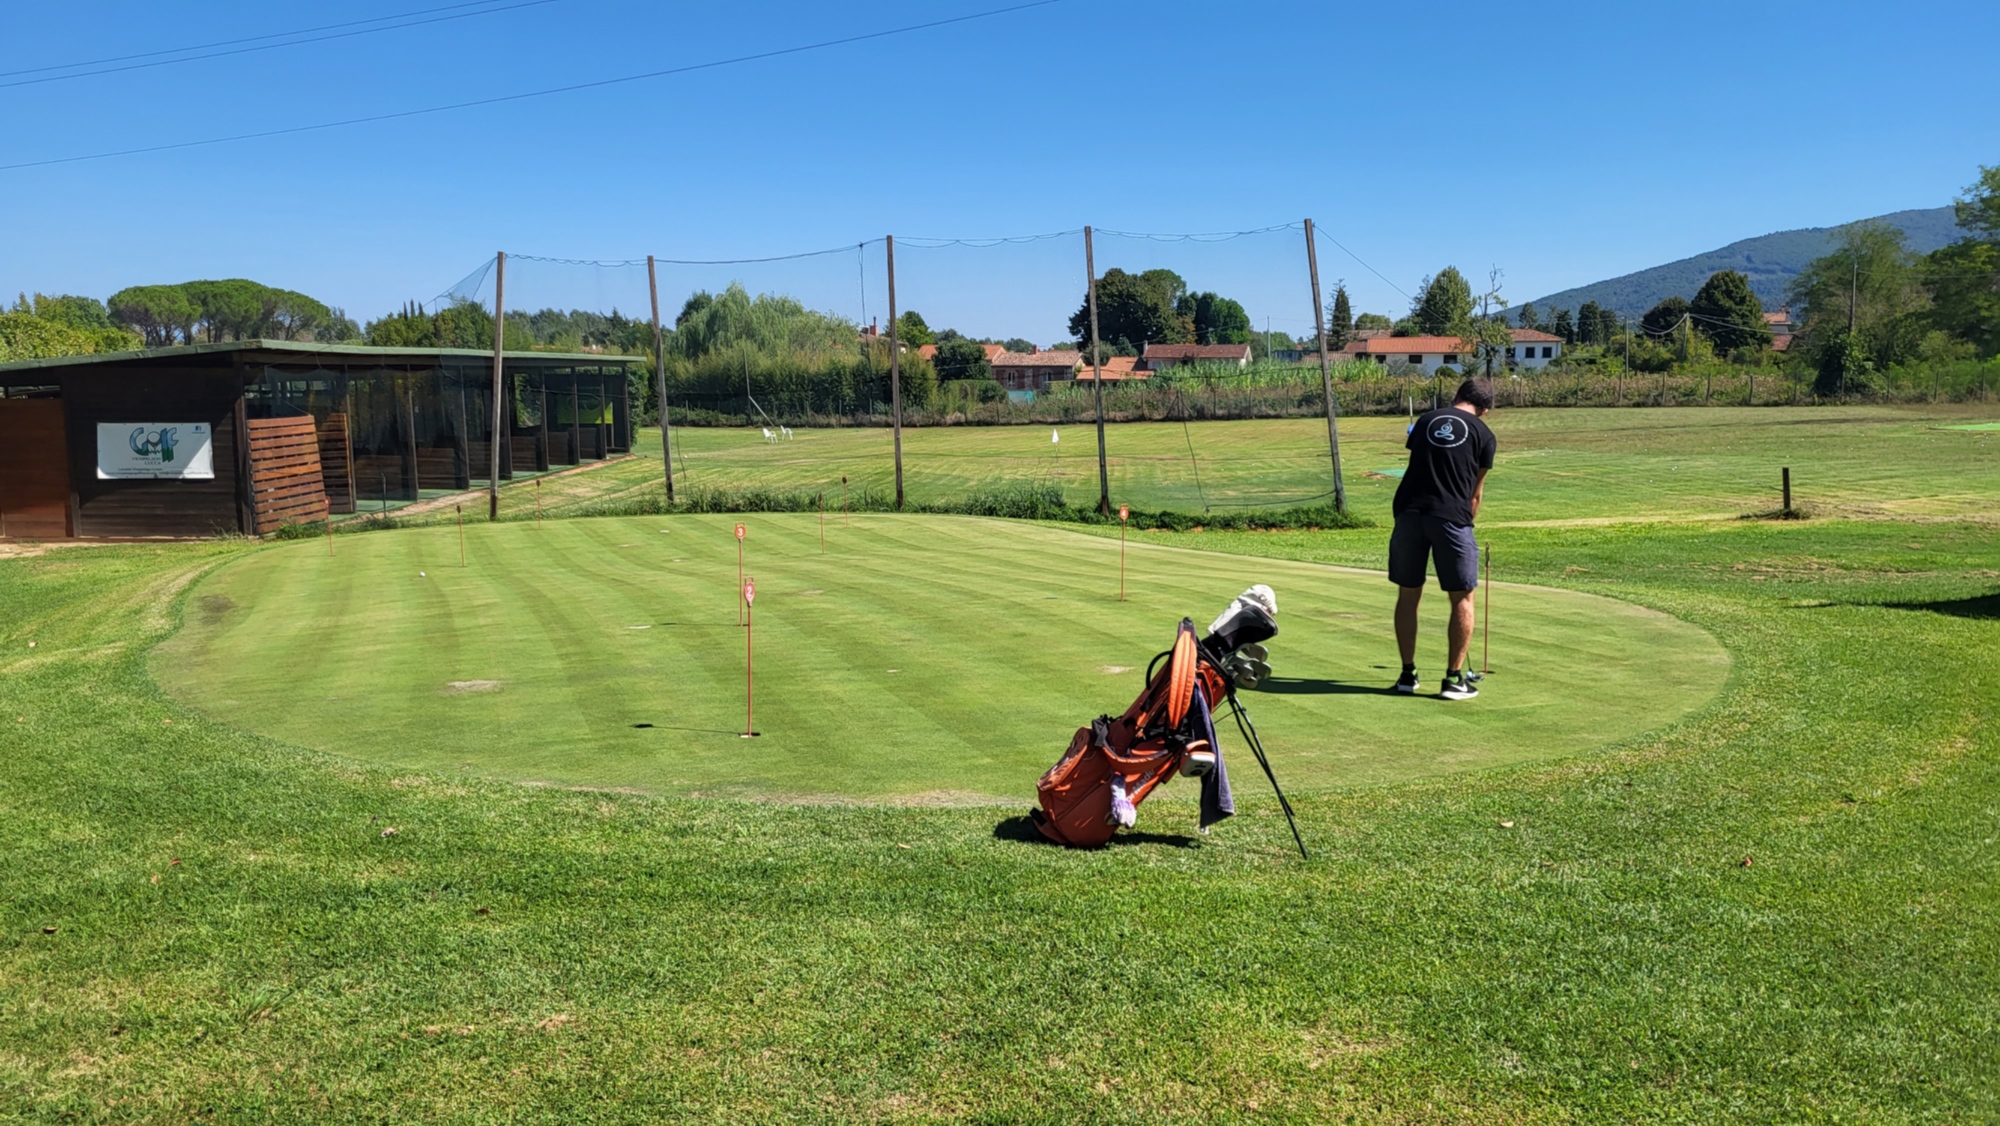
[
  {"x": 1530, "y": 350},
  {"x": 1159, "y": 356}
]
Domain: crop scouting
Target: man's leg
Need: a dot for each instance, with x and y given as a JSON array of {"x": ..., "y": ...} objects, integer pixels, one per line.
[
  {"x": 1407, "y": 598},
  {"x": 1460, "y": 631}
]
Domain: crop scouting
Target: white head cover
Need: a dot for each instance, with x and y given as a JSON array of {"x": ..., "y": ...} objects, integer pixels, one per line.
[{"x": 1260, "y": 596}]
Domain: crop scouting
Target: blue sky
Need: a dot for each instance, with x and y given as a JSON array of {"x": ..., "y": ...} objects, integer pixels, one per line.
[{"x": 1561, "y": 144}]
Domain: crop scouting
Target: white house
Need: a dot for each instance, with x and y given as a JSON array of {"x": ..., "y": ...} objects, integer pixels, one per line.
[{"x": 1533, "y": 349}]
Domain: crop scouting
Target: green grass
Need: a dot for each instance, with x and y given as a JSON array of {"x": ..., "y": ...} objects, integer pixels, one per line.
[
  {"x": 1554, "y": 464},
  {"x": 235, "y": 937},
  {"x": 925, "y": 658}
]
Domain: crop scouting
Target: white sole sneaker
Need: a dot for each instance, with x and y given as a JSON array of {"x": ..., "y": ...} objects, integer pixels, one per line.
[{"x": 1458, "y": 691}]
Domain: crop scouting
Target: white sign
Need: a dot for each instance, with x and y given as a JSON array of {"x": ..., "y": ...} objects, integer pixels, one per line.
[{"x": 149, "y": 450}]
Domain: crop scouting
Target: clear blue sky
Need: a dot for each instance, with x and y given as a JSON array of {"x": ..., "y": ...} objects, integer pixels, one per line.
[{"x": 1561, "y": 143}]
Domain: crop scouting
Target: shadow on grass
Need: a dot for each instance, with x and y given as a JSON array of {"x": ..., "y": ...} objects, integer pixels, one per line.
[
  {"x": 1985, "y": 607},
  {"x": 1021, "y": 830},
  {"x": 1297, "y": 686}
]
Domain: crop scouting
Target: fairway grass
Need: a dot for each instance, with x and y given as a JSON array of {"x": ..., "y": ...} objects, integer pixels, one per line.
[
  {"x": 918, "y": 658},
  {"x": 1553, "y": 464},
  {"x": 1782, "y": 906}
]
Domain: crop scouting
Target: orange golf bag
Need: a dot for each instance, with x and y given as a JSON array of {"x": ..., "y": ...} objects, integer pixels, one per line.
[{"x": 1114, "y": 763}]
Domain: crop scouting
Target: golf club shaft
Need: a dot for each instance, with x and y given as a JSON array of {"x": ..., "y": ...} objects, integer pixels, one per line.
[{"x": 1256, "y": 745}]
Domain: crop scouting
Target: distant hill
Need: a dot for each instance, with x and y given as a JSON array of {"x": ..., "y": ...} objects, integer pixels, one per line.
[{"x": 1769, "y": 261}]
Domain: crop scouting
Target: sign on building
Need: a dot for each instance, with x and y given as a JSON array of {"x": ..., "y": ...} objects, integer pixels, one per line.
[{"x": 152, "y": 450}]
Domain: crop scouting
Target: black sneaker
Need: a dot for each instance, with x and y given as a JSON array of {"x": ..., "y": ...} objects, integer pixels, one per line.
[
  {"x": 1408, "y": 684},
  {"x": 1458, "y": 686}
]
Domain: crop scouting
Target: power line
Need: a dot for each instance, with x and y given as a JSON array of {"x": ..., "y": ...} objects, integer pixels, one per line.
[
  {"x": 261, "y": 47},
  {"x": 507, "y": 98},
  {"x": 245, "y": 39},
  {"x": 1321, "y": 232}
]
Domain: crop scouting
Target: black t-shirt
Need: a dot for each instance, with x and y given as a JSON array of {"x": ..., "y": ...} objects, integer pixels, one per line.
[{"x": 1448, "y": 450}]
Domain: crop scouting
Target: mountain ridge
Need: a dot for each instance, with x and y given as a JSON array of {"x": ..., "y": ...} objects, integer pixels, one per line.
[{"x": 1770, "y": 262}]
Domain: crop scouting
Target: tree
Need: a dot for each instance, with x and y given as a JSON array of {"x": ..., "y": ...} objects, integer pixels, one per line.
[
  {"x": 408, "y": 327},
  {"x": 1964, "y": 282},
  {"x": 1526, "y": 315},
  {"x": 1135, "y": 309},
  {"x": 1862, "y": 305},
  {"x": 1564, "y": 327},
  {"x": 911, "y": 329},
  {"x": 1609, "y": 326},
  {"x": 1727, "y": 312},
  {"x": 1589, "y": 324},
  {"x": 1215, "y": 320},
  {"x": 1017, "y": 344},
  {"x": 1373, "y": 321},
  {"x": 1444, "y": 304},
  {"x": 340, "y": 328},
  {"x": 231, "y": 309},
  {"x": 294, "y": 316},
  {"x": 1978, "y": 210},
  {"x": 1665, "y": 317},
  {"x": 1339, "y": 318},
  {"x": 961, "y": 359},
  {"x": 68, "y": 310},
  {"x": 159, "y": 313}
]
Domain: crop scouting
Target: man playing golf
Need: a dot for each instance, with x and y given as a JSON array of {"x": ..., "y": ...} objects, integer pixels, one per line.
[{"x": 1450, "y": 453}]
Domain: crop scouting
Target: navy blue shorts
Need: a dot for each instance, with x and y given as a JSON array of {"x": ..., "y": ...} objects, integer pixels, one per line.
[{"x": 1448, "y": 545}]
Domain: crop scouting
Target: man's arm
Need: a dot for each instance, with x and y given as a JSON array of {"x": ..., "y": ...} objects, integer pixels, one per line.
[{"x": 1478, "y": 494}]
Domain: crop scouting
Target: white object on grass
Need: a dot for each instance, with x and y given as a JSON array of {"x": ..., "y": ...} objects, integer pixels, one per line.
[
  {"x": 768, "y": 436},
  {"x": 1055, "y": 437}
]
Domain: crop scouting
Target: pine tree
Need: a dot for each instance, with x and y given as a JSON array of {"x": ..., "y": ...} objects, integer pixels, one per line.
[
  {"x": 1564, "y": 327},
  {"x": 1588, "y": 322},
  {"x": 1340, "y": 319}
]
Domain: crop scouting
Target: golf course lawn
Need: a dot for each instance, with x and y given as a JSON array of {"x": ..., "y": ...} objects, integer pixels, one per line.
[
  {"x": 1556, "y": 464},
  {"x": 1681, "y": 893},
  {"x": 915, "y": 658}
]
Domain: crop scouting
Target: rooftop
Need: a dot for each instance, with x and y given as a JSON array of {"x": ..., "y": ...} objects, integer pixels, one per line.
[
  {"x": 1037, "y": 359},
  {"x": 1197, "y": 351}
]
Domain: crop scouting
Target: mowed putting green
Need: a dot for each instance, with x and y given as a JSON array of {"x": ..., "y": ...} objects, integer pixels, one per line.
[{"x": 915, "y": 659}]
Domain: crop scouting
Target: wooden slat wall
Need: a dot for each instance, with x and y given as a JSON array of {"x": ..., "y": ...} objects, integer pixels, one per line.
[
  {"x": 34, "y": 470},
  {"x": 526, "y": 445},
  {"x": 160, "y": 393},
  {"x": 336, "y": 462},
  {"x": 287, "y": 485}
]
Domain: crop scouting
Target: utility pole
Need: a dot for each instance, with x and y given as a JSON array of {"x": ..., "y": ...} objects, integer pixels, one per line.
[
  {"x": 1325, "y": 373},
  {"x": 660, "y": 375},
  {"x": 896, "y": 374},
  {"x": 1097, "y": 379},
  {"x": 499, "y": 344}
]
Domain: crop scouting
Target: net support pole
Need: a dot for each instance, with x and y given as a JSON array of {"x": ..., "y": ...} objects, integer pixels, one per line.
[
  {"x": 499, "y": 346},
  {"x": 1097, "y": 377},
  {"x": 895, "y": 375},
  {"x": 1326, "y": 373},
  {"x": 660, "y": 376}
]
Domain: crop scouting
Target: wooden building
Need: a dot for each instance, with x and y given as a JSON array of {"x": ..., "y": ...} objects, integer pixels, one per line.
[{"x": 248, "y": 435}]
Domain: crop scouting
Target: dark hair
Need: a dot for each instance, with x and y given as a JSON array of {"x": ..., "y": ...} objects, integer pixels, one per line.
[{"x": 1476, "y": 391}]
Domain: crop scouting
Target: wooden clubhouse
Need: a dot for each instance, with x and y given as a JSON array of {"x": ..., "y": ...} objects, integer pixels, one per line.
[{"x": 246, "y": 436}]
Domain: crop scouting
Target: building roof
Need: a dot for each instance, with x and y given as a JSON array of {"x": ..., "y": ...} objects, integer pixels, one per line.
[
  {"x": 928, "y": 351},
  {"x": 1409, "y": 345},
  {"x": 1117, "y": 367},
  {"x": 1006, "y": 359},
  {"x": 1782, "y": 317},
  {"x": 1782, "y": 342},
  {"x": 292, "y": 351},
  {"x": 1197, "y": 351},
  {"x": 1533, "y": 336}
]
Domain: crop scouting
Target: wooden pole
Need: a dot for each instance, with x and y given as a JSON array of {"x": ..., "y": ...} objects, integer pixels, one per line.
[
  {"x": 1326, "y": 373},
  {"x": 843, "y": 500},
  {"x": 895, "y": 375},
  {"x": 822, "y": 523},
  {"x": 1122, "y": 514},
  {"x": 1788, "y": 487},
  {"x": 538, "y": 502},
  {"x": 660, "y": 376},
  {"x": 461, "y": 534},
  {"x": 499, "y": 346},
  {"x": 1097, "y": 377}
]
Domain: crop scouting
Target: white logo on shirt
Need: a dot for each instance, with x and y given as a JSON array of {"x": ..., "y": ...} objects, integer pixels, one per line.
[{"x": 1448, "y": 432}]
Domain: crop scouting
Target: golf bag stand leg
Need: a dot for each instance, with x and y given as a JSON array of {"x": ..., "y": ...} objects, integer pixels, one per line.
[{"x": 1256, "y": 745}]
